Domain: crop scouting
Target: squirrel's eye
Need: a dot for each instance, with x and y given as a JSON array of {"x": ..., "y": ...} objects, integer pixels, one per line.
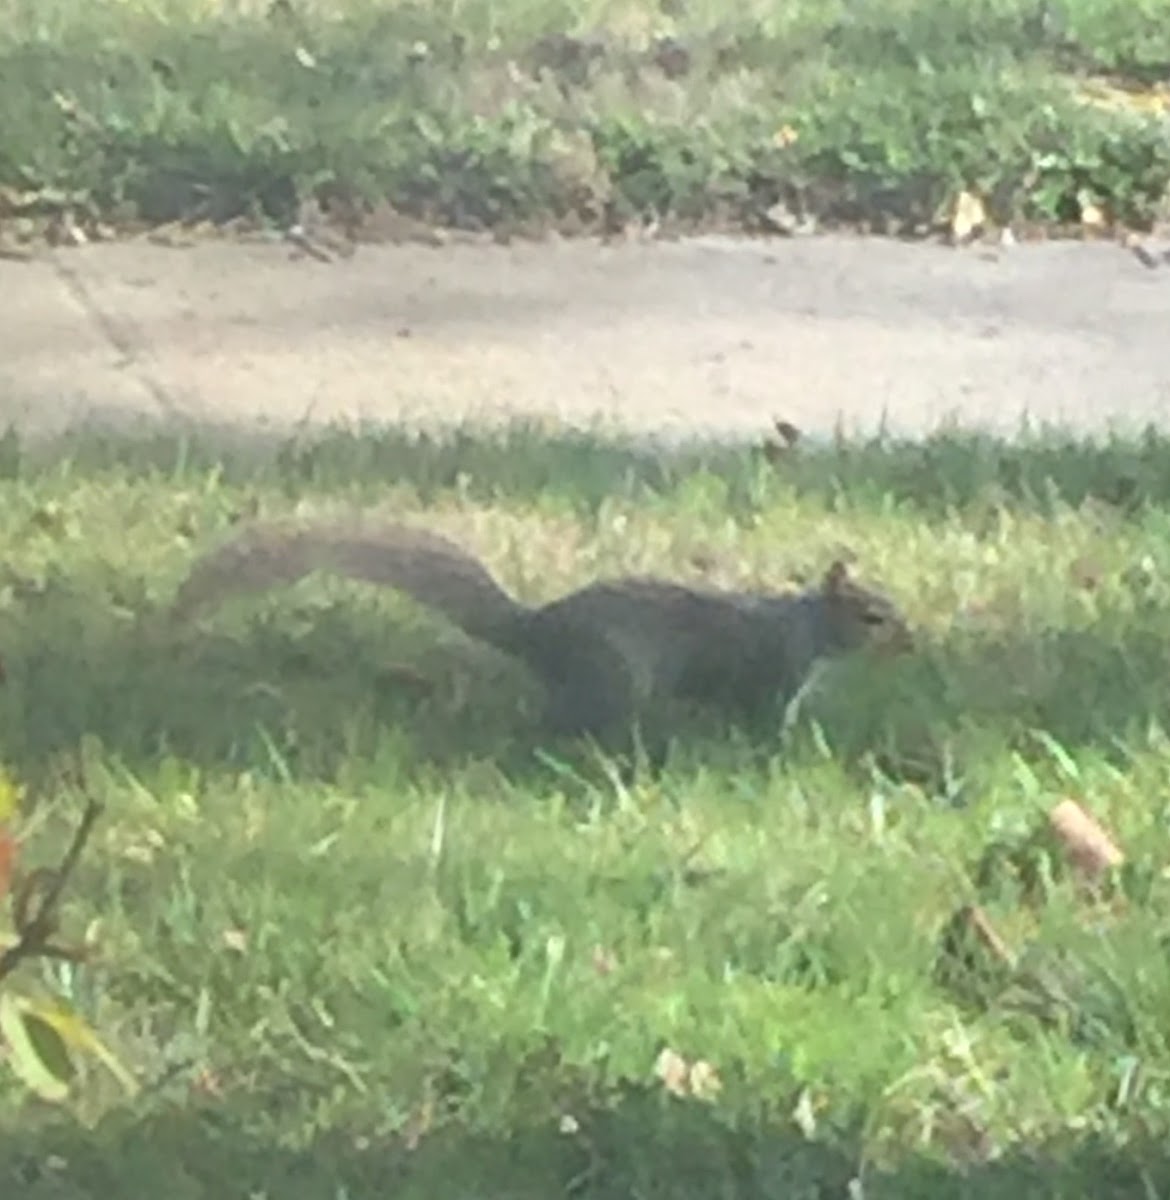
[{"x": 874, "y": 618}]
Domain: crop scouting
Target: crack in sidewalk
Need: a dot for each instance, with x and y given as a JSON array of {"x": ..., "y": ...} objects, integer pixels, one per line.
[{"x": 117, "y": 335}]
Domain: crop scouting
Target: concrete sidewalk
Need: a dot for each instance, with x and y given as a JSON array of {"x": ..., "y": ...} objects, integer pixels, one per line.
[{"x": 707, "y": 335}]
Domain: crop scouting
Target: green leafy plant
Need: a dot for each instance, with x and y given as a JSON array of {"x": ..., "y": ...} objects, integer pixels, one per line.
[
  {"x": 42, "y": 1033},
  {"x": 211, "y": 113}
]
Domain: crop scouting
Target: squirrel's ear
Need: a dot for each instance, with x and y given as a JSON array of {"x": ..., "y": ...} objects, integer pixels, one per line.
[{"x": 835, "y": 576}]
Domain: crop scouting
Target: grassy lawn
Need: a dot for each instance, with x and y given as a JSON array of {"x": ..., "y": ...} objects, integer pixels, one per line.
[
  {"x": 592, "y": 116},
  {"x": 357, "y": 938}
]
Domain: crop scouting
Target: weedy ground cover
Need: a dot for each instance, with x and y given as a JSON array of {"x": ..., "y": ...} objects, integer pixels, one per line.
[
  {"x": 357, "y": 937},
  {"x": 523, "y": 117}
]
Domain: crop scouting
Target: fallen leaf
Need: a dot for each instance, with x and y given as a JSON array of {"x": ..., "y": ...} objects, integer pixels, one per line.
[
  {"x": 968, "y": 216},
  {"x": 788, "y": 432},
  {"x": 1092, "y": 214},
  {"x": 704, "y": 1080},
  {"x": 1149, "y": 257},
  {"x": 236, "y": 940},
  {"x": 781, "y": 218},
  {"x": 674, "y": 1071},
  {"x": 419, "y": 1124},
  {"x": 804, "y": 1114},
  {"x": 980, "y": 924},
  {"x": 1104, "y": 93},
  {"x": 77, "y": 1034},
  {"x": 604, "y": 962},
  {"x": 207, "y": 1083},
  {"x": 1084, "y": 840},
  {"x": 36, "y": 1052}
]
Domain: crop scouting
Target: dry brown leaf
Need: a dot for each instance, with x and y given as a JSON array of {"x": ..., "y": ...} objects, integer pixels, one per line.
[
  {"x": 980, "y": 924},
  {"x": 704, "y": 1080},
  {"x": 1093, "y": 216},
  {"x": 968, "y": 217},
  {"x": 1085, "y": 841},
  {"x": 788, "y": 432},
  {"x": 604, "y": 961},
  {"x": 674, "y": 1072},
  {"x": 235, "y": 940}
]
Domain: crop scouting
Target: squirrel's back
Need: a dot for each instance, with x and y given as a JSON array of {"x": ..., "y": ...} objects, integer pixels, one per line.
[{"x": 733, "y": 648}]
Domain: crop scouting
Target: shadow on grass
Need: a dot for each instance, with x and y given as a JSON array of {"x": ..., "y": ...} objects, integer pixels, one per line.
[
  {"x": 932, "y": 476},
  {"x": 302, "y": 695},
  {"x": 642, "y": 1147},
  {"x": 309, "y": 699},
  {"x": 307, "y": 690}
]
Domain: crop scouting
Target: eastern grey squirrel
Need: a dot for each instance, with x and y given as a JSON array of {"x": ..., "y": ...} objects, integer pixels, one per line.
[{"x": 609, "y": 653}]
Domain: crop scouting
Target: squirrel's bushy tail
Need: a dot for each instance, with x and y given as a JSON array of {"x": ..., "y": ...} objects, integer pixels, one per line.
[{"x": 425, "y": 566}]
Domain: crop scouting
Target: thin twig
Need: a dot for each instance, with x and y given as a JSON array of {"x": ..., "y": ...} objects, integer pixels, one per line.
[{"x": 35, "y": 937}]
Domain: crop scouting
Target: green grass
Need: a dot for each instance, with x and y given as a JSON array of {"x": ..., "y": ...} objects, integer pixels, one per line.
[
  {"x": 359, "y": 939},
  {"x": 519, "y": 117}
]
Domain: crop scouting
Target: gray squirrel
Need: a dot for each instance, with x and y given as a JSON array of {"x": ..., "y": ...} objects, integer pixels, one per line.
[{"x": 609, "y": 653}]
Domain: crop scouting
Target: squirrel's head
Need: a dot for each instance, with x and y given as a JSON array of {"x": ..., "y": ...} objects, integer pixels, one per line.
[{"x": 858, "y": 617}]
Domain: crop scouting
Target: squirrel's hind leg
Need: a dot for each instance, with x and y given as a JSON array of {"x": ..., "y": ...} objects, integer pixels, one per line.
[
  {"x": 591, "y": 695},
  {"x": 605, "y": 720},
  {"x": 597, "y": 710},
  {"x": 587, "y": 708}
]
